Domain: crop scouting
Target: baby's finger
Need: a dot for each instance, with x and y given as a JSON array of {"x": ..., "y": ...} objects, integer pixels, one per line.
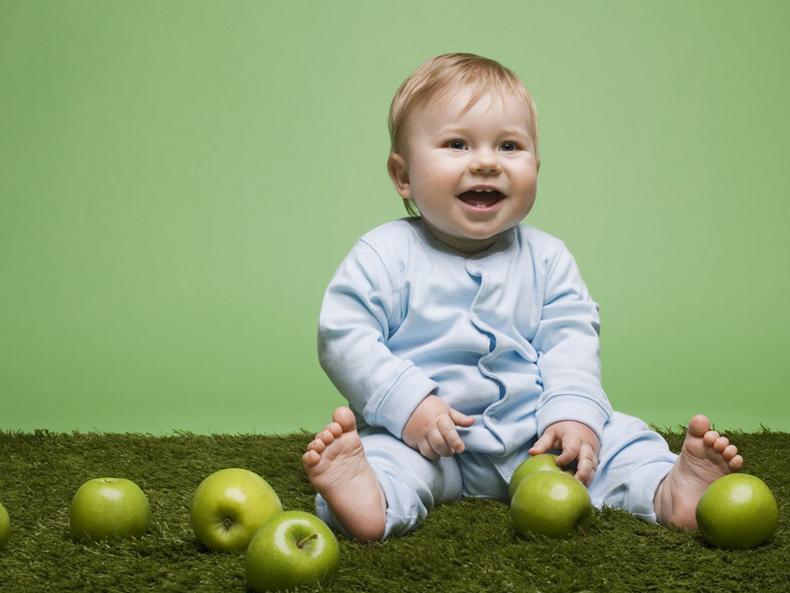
[
  {"x": 438, "y": 443},
  {"x": 427, "y": 451},
  {"x": 585, "y": 470},
  {"x": 571, "y": 446},
  {"x": 543, "y": 444},
  {"x": 447, "y": 429},
  {"x": 461, "y": 419}
]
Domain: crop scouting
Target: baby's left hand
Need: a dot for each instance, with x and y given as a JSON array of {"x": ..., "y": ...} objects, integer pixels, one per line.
[{"x": 576, "y": 441}]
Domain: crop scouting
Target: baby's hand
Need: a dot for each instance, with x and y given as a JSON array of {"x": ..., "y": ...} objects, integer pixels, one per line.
[
  {"x": 431, "y": 429},
  {"x": 577, "y": 441}
]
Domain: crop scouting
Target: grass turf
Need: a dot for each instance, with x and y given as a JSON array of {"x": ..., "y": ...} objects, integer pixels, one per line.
[{"x": 468, "y": 546}]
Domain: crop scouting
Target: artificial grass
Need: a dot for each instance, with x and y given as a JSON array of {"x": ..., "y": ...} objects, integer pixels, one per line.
[{"x": 468, "y": 546}]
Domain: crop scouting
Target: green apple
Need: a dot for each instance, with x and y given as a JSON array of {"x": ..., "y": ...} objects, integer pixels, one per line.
[
  {"x": 229, "y": 506},
  {"x": 536, "y": 463},
  {"x": 737, "y": 511},
  {"x": 5, "y": 527},
  {"x": 289, "y": 550},
  {"x": 109, "y": 508},
  {"x": 550, "y": 503}
]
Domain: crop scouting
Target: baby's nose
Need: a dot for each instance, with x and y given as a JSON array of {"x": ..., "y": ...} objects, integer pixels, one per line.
[{"x": 485, "y": 161}]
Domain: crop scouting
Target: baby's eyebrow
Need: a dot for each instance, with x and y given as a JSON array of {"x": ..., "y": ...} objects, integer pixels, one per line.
[
  {"x": 461, "y": 130},
  {"x": 453, "y": 130},
  {"x": 515, "y": 132}
]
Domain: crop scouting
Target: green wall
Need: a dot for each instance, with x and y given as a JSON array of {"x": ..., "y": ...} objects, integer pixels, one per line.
[{"x": 180, "y": 179}]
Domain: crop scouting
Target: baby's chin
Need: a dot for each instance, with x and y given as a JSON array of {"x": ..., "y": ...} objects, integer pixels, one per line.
[{"x": 472, "y": 238}]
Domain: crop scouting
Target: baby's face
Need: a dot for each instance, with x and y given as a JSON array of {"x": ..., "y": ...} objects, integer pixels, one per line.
[{"x": 474, "y": 174}]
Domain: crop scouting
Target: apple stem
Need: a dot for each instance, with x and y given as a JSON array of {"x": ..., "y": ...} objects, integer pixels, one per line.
[{"x": 301, "y": 544}]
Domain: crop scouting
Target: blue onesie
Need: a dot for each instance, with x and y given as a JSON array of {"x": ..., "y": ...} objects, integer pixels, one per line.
[{"x": 508, "y": 336}]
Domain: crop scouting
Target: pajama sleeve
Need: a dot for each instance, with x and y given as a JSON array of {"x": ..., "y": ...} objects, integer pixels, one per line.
[
  {"x": 569, "y": 351},
  {"x": 361, "y": 308}
]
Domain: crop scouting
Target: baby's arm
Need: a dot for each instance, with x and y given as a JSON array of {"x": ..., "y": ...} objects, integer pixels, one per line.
[
  {"x": 573, "y": 408},
  {"x": 576, "y": 441},
  {"x": 431, "y": 429},
  {"x": 361, "y": 309}
]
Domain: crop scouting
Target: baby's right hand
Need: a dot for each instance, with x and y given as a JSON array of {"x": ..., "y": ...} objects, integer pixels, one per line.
[{"x": 431, "y": 429}]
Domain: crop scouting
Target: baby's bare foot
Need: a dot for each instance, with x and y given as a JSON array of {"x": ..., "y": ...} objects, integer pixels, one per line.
[
  {"x": 705, "y": 457},
  {"x": 337, "y": 468}
]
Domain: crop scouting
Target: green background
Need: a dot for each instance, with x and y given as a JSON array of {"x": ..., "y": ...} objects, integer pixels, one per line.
[{"x": 179, "y": 181}]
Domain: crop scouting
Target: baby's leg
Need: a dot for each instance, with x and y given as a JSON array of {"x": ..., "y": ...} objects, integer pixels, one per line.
[
  {"x": 409, "y": 485},
  {"x": 706, "y": 456},
  {"x": 337, "y": 468},
  {"x": 638, "y": 473},
  {"x": 632, "y": 462}
]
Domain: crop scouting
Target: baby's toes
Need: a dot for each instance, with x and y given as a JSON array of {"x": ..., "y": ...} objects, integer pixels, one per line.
[
  {"x": 335, "y": 429},
  {"x": 720, "y": 444},
  {"x": 710, "y": 438},
  {"x": 317, "y": 445},
  {"x": 310, "y": 459},
  {"x": 735, "y": 461},
  {"x": 326, "y": 436}
]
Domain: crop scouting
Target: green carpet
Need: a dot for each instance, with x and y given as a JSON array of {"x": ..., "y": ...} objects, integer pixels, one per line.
[{"x": 469, "y": 546}]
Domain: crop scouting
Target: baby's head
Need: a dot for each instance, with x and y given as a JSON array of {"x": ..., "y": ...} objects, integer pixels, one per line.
[{"x": 440, "y": 78}]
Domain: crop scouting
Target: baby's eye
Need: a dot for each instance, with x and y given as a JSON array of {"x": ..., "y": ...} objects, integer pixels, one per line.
[
  {"x": 508, "y": 147},
  {"x": 456, "y": 144}
]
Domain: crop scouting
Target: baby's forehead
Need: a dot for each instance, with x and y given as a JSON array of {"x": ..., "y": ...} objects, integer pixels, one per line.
[
  {"x": 476, "y": 92},
  {"x": 455, "y": 102}
]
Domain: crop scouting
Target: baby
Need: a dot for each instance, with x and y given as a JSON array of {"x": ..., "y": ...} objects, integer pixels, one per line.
[{"x": 465, "y": 341}]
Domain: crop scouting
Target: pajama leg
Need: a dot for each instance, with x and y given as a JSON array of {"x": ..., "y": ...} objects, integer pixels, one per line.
[
  {"x": 631, "y": 464},
  {"x": 412, "y": 484}
]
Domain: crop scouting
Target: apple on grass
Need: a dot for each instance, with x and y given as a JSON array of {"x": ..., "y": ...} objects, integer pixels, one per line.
[
  {"x": 550, "y": 503},
  {"x": 536, "y": 463},
  {"x": 5, "y": 527},
  {"x": 291, "y": 549},
  {"x": 229, "y": 506},
  {"x": 737, "y": 511},
  {"x": 109, "y": 508}
]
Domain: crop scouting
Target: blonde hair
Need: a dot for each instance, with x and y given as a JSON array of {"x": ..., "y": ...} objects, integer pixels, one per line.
[{"x": 437, "y": 77}]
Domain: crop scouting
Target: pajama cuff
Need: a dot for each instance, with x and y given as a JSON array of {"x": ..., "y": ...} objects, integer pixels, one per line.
[
  {"x": 642, "y": 490},
  {"x": 398, "y": 521},
  {"x": 579, "y": 408}
]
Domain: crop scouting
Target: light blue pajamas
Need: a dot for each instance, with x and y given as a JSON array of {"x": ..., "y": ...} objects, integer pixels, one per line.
[{"x": 508, "y": 336}]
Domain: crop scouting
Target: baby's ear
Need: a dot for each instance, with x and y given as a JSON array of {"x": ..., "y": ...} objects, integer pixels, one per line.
[{"x": 399, "y": 173}]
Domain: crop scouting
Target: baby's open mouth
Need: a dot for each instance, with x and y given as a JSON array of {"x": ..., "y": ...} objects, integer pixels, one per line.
[{"x": 481, "y": 197}]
